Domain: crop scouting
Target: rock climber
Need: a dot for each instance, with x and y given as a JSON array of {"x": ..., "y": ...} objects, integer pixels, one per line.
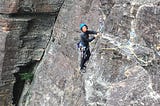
[{"x": 84, "y": 43}]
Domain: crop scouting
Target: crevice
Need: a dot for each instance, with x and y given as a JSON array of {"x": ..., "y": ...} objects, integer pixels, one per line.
[
  {"x": 26, "y": 15},
  {"x": 20, "y": 81}
]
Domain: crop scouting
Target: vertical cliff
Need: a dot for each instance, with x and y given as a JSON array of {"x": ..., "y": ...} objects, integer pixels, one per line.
[
  {"x": 123, "y": 69},
  {"x": 25, "y": 30},
  {"x": 38, "y": 40}
]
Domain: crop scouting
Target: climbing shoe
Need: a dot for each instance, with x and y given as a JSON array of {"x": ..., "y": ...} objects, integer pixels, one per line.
[{"x": 83, "y": 69}]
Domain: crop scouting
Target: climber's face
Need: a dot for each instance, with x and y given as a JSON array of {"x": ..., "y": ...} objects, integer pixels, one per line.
[{"x": 84, "y": 29}]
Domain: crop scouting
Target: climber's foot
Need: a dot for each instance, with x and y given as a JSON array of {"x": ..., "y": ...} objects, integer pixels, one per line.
[{"x": 83, "y": 69}]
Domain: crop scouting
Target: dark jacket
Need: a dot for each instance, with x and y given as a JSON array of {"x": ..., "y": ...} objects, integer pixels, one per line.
[{"x": 85, "y": 39}]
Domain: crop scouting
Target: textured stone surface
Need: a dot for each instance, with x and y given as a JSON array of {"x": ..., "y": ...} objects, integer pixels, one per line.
[
  {"x": 135, "y": 89},
  {"x": 2, "y": 43},
  {"x": 30, "y": 6},
  {"x": 25, "y": 30},
  {"x": 148, "y": 24},
  {"x": 7, "y": 6},
  {"x": 120, "y": 77},
  {"x": 22, "y": 44},
  {"x": 65, "y": 83},
  {"x": 118, "y": 81},
  {"x": 123, "y": 69}
]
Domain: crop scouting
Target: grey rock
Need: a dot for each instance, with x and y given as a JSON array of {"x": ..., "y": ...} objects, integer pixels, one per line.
[
  {"x": 30, "y": 6},
  {"x": 25, "y": 30},
  {"x": 148, "y": 25},
  {"x": 122, "y": 71},
  {"x": 108, "y": 81}
]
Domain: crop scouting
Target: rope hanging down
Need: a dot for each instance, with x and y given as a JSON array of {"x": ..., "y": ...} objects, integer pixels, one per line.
[{"x": 101, "y": 22}]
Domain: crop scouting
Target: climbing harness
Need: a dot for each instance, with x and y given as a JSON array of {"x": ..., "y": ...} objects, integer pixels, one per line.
[{"x": 82, "y": 49}]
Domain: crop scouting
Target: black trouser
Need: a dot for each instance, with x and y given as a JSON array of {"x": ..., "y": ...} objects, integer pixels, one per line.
[{"x": 85, "y": 57}]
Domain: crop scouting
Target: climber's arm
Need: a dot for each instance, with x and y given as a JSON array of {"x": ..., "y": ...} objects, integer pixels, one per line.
[
  {"x": 85, "y": 39},
  {"x": 97, "y": 34},
  {"x": 91, "y": 32}
]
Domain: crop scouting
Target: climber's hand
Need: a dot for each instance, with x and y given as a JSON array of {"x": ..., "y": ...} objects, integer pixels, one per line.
[{"x": 97, "y": 35}]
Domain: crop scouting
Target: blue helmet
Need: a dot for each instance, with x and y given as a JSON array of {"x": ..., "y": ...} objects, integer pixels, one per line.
[{"x": 82, "y": 25}]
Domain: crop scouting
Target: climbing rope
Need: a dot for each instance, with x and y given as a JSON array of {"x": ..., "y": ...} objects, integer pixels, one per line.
[
  {"x": 101, "y": 25},
  {"x": 102, "y": 22}
]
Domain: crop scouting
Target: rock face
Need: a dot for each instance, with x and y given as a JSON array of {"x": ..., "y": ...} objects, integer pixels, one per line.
[
  {"x": 25, "y": 30},
  {"x": 148, "y": 24},
  {"x": 123, "y": 69},
  {"x": 30, "y": 6}
]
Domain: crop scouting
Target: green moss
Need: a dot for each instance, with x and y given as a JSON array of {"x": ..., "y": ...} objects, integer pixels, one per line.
[{"x": 27, "y": 76}]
